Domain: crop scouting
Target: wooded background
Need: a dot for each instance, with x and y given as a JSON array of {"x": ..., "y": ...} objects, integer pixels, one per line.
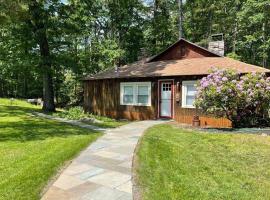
[{"x": 49, "y": 45}]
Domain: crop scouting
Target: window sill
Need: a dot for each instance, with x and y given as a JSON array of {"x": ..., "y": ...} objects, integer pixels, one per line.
[
  {"x": 142, "y": 105},
  {"x": 189, "y": 107}
]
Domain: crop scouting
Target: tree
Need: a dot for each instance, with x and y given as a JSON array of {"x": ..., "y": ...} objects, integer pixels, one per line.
[
  {"x": 50, "y": 39},
  {"x": 254, "y": 32},
  {"x": 38, "y": 17},
  {"x": 18, "y": 75},
  {"x": 161, "y": 26}
]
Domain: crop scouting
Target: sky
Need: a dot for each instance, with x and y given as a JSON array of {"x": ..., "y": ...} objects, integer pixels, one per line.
[{"x": 64, "y": 1}]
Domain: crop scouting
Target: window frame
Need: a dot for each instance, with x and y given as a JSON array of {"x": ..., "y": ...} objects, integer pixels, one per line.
[
  {"x": 184, "y": 93},
  {"x": 135, "y": 86}
]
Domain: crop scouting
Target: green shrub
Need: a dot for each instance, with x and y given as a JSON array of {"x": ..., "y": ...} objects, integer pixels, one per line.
[
  {"x": 74, "y": 113},
  {"x": 243, "y": 99}
]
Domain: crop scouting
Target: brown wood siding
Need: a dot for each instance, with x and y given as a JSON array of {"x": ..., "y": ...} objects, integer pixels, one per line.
[
  {"x": 185, "y": 115},
  {"x": 102, "y": 97},
  {"x": 183, "y": 50}
]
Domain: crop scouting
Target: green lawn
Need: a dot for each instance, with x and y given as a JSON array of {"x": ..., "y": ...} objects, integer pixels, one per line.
[
  {"x": 32, "y": 149},
  {"x": 177, "y": 164},
  {"x": 107, "y": 122}
]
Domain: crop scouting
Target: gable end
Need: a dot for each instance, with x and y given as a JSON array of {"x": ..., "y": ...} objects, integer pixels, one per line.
[{"x": 183, "y": 49}]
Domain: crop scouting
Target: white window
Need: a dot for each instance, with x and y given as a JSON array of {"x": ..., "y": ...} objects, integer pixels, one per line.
[
  {"x": 135, "y": 93},
  {"x": 189, "y": 91}
]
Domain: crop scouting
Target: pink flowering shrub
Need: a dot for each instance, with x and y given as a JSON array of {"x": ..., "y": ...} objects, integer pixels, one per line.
[{"x": 243, "y": 99}]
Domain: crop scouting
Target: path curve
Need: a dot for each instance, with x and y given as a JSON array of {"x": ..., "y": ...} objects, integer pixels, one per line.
[{"x": 103, "y": 170}]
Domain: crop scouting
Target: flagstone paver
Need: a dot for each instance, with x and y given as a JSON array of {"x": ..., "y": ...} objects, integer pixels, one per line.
[{"x": 103, "y": 170}]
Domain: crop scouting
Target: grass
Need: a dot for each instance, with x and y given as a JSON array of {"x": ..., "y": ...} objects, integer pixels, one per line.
[
  {"x": 33, "y": 149},
  {"x": 178, "y": 164},
  {"x": 16, "y": 102},
  {"x": 107, "y": 122}
]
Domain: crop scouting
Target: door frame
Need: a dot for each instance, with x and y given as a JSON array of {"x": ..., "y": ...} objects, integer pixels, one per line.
[{"x": 172, "y": 98}]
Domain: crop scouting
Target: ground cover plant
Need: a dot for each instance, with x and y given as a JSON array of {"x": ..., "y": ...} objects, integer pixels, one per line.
[
  {"x": 243, "y": 99},
  {"x": 175, "y": 164},
  {"x": 77, "y": 113},
  {"x": 33, "y": 149}
]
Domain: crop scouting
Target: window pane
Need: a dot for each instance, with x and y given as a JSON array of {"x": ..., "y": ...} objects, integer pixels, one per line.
[
  {"x": 143, "y": 99},
  {"x": 190, "y": 100},
  {"x": 142, "y": 90},
  {"x": 191, "y": 90},
  {"x": 128, "y": 90},
  {"x": 128, "y": 99},
  {"x": 143, "y": 94},
  {"x": 128, "y": 95}
]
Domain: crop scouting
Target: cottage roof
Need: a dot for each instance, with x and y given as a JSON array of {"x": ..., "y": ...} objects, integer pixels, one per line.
[{"x": 196, "y": 61}]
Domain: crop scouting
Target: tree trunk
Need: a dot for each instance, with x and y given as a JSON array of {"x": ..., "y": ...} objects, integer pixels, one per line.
[
  {"x": 40, "y": 31},
  {"x": 48, "y": 92},
  {"x": 181, "y": 32}
]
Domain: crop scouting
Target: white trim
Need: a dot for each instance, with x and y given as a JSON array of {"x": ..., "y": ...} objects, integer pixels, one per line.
[
  {"x": 135, "y": 86},
  {"x": 184, "y": 93},
  {"x": 164, "y": 80}
]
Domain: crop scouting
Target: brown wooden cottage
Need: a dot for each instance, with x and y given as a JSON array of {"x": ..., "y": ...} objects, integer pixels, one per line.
[{"x": 161, "y": 87}]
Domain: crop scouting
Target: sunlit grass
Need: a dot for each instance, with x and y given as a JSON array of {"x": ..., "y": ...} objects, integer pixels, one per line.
[
  {"x": 33, "y": 149},
  {"x": 180, "y": 164},
  {"x": 17, "y": 102}
]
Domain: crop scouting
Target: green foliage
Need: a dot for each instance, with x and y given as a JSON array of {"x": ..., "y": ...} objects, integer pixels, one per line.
[
  {"x": 86, "y": 37},
  {"x": 233, "y": 55},
  {"x": 77, "y": 113},
  {"x": 243, "y": 99},
  {"x": 74, "y": 113},
  {"x": 245, "y": 25},
  {"x": 184, "y": 164},
  {"x": 161, "y": 29},
  {"x": 69, "y": 89}
]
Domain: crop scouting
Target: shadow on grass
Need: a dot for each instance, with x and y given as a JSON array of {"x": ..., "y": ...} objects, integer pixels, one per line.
[
  {"x": 238, "y": 130},
  {"x": 17, "y": 125},
  {"x": 16, "y": 110}
]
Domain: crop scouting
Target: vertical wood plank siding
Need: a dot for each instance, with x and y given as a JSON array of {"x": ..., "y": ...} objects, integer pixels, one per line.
[
  {"x": 185, "y": 115},
  {"x": 183, "y": 50},
  {"x": 102, "y": 97}
]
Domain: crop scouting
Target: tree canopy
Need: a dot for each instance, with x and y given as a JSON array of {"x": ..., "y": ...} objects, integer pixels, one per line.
[{"x": 47, "y": 46}]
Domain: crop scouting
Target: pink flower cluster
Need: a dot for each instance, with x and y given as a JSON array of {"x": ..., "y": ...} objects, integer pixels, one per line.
[{"x": 232, "y": 94}]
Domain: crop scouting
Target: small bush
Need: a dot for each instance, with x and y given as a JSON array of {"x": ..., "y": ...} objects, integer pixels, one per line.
[
  {"x": 243, "y": 99},
  {"x": 74, "y": 113},
  {"x": 77, "y": 113}
]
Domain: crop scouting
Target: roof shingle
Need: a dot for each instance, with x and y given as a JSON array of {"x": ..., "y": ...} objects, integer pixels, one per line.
[{"x": 183, "y": 67}]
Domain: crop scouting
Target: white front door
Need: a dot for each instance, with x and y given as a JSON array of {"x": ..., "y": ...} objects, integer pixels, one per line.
[{"x": 166, "y": 99}]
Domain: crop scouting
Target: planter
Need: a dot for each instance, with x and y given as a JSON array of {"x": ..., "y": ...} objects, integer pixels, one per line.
[{"x": 196, "y": 121}]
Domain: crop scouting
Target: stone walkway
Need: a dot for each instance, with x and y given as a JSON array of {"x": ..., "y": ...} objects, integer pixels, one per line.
[{"x": 103, "y": 170}]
